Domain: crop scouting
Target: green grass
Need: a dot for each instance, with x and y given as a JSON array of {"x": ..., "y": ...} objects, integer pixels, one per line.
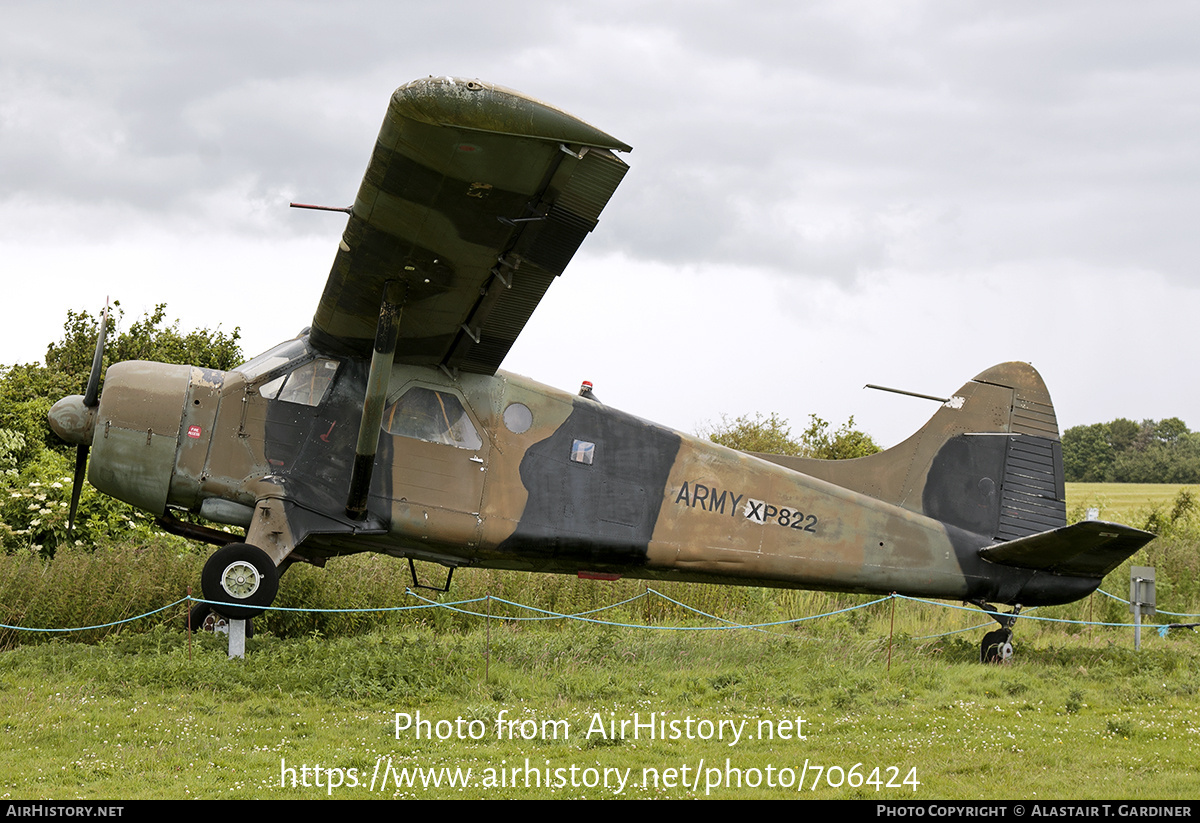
[
  {"x": 1073, "y": 717},
  {"x": 128, "y": 713}
]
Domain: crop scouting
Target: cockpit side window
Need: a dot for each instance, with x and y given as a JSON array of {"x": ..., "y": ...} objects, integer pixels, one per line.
[
  {"x": 306, "y": 385},
  {"x": 432, "y": 416}
]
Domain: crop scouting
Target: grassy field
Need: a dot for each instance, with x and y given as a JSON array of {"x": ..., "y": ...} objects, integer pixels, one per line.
[
  {"x": 747, "y": 716},
  {"x": 1124, "y": 502},
  {"x": 879, "y": 699}
]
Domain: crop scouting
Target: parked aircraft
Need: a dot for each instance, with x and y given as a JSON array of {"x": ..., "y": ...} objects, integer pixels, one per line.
[{"x": 387, "y": 425}]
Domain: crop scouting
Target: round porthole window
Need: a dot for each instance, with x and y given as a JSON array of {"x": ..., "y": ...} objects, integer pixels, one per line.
[{"x": 518, "y": 418}]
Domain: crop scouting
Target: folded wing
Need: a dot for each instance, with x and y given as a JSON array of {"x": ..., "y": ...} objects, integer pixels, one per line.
[{"x": 475, "y": 199}]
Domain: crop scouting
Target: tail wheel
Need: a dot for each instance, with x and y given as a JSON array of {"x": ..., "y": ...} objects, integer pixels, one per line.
[
  {"x": 241, "y": 579},
  {"x": 996, "y": 647}
]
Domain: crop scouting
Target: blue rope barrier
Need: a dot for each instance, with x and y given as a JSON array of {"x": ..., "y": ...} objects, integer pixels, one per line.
[
  {"x": 101, "y": 625},
  {"x": 583, "y": 617},
  {"x": 550, "y": 615},
  {"x": 1158, "y": 610},
  {"x": 975, "y": 610}
]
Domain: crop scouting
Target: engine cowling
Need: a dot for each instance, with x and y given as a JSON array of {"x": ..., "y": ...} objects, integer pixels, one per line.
[{"x": 137, "y": 431}]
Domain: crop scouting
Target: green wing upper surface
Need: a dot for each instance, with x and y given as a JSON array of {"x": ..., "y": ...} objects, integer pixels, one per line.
[{"x": 475, "y": 199}]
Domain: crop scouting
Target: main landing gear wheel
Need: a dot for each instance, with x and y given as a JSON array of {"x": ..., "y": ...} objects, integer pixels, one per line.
[{"x": 242, "y": 579}]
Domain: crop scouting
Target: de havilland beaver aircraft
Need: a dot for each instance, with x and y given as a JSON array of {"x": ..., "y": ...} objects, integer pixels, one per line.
[{"x": 387, "y": 425}]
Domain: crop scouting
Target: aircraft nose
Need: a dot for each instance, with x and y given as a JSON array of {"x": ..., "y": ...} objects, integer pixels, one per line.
[{"x": 72, "y": 421}]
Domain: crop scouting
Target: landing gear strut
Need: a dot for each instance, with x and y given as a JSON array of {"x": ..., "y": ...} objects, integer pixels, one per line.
[{"x": 997, "y": 645}]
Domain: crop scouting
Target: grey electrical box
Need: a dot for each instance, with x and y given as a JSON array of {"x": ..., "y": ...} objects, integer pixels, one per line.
[{"x": 1141, "y": 590}]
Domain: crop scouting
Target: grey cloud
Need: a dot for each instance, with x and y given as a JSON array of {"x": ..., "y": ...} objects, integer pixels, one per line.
[{"x": 824, "y": 139}]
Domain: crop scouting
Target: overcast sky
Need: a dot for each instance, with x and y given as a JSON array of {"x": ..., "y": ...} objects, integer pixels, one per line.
[{"x": 821, "y": 195}]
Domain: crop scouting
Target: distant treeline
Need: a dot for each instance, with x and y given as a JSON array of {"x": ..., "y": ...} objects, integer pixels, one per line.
[{"x": 1122, "y": 451}]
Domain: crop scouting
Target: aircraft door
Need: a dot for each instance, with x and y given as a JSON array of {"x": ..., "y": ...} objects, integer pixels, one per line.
[{"x": 436, "y": 466}]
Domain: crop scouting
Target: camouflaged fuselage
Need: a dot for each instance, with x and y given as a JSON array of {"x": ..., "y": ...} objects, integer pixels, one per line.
[{"x": 553, "y": 482}]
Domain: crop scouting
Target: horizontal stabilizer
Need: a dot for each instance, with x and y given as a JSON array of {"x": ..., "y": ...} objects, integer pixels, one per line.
[{"x": 1091, "y": 548}]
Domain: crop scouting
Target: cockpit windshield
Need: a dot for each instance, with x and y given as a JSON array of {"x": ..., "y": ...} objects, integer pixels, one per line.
[
  {"x": 273, "y": 358},
  {"x": 305, "y": 385},
  {"x": 293, "y": 373}
]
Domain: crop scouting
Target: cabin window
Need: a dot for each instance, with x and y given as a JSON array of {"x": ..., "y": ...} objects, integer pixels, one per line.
[
  {"x": 306, "y": 385},
  {"x": 518, "y": 418},
  {"x": 432, "y": 416}
]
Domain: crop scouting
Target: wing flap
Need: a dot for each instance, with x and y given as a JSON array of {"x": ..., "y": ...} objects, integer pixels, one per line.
[
  {"x": 1091, "y": 548},
  {"x": 539, "y": 255},
  {"x": 476, "y": 198}
]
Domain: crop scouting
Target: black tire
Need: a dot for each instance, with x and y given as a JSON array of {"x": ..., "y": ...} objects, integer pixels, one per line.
[
  {"x": 194, "y": 619},
  {"x": 200, "y": 613},
  {"x": 242, "y": 579},
  {"x": 992, "y": 649}
]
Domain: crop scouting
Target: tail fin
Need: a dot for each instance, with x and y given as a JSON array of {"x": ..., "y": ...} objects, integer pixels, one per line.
[{"x": 989, "y": 461}]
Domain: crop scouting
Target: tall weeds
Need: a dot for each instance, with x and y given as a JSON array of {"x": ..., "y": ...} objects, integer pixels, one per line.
[{"x": 124, "y": 578}]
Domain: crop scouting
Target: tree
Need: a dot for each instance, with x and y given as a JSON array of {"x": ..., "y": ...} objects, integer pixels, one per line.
[
  {"x": 1168, "y": 431},
  {"x": 149, "y": 338},
  {"x": 1154, "y": 451},
  {"x": 1088, "y": 453},
  {"x": 772, "y": 435},
  {"x": 844, "y": 444},
  {"x": 27, "y": 390},
  {"x": 1122, "y": 433}
]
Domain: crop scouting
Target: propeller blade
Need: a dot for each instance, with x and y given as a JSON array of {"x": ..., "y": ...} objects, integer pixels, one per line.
[
  {"x": 81, "y": 456},
  {"x": 91, "y": 397}
]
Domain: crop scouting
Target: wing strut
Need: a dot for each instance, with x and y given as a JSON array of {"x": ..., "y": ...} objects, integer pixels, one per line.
[{"x": 390, "y": 309}]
